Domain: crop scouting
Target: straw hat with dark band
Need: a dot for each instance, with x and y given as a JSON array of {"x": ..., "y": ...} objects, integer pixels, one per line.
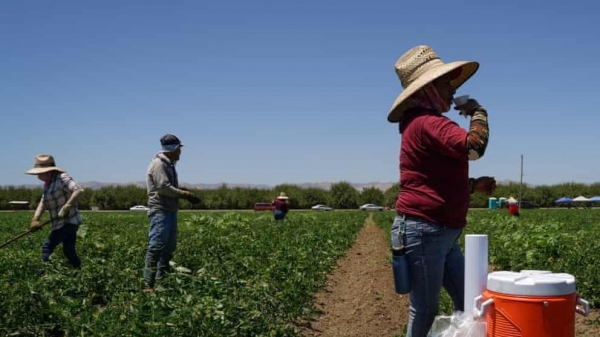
[
  {"x": 421, "y": 65},
  {"x": 44, "y": 163}
]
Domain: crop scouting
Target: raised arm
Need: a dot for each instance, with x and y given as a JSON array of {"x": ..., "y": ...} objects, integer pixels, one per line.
[{"x": 446, "y": 137}]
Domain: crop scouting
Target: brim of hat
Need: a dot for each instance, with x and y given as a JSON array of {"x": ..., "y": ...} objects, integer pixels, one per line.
[
  {"x": 174, "y": 149},
  {"x": 39, "y": 170},
  {"x": 282, "y": 197},
  {"x": 468, "y": 69}
]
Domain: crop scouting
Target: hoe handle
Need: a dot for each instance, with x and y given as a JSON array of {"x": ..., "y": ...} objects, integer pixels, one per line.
[{"x": 22, "y": 235}]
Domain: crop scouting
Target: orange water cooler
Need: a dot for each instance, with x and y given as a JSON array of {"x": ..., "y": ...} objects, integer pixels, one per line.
[{"x": 530, "y": 303}]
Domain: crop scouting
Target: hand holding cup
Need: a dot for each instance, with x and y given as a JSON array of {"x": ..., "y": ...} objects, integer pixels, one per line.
[{"x": 465, "y": 105}]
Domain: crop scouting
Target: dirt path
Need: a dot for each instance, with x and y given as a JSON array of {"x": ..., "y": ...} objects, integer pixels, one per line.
[
  {"x": 359, "y": 297},
  {"x": 588, "y": 326}
]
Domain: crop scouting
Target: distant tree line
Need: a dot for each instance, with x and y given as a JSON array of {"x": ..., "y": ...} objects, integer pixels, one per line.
[{"x": 341, "y": 195}]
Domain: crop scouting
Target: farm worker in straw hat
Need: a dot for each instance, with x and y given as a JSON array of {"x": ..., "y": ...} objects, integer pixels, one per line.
[
  {"x": 281, "y": 206},
  {"x": 60, "y": 194},
  {"x": 513, "y": 207},
  {"x": 435, "y": 187},
  {"x": 163, "y": 203}
]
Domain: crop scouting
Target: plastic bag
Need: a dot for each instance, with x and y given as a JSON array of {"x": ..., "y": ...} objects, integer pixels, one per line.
[{"x": 457, "y": 325}]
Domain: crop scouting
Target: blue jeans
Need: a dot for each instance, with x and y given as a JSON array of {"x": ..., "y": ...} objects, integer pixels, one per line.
[
  {"x": 161, "y": 245},
  {"x": 279, "y": 215},
  {"x": 67, "y": 235},
  {"x": 435, "y": 260}
]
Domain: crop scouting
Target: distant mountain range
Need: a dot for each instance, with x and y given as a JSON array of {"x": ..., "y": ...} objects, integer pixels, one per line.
[{"x": 94, "y": 185}]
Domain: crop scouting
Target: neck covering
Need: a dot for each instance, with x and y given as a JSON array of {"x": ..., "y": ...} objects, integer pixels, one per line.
[{"x": 429, "y": 98}]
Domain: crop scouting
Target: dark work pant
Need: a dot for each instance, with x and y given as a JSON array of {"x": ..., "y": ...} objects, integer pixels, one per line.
[
  {"x": 279, "y": 215},
  {"x": 67, "y": 235}
]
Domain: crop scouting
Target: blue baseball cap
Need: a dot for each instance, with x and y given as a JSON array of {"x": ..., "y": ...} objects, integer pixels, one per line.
[{"x": 170, "y": 142}]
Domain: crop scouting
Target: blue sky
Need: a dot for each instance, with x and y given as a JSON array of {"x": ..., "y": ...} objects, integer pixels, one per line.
[{"x": 269, "y": 92}]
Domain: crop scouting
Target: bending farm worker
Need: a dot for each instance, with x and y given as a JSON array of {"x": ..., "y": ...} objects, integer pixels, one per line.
[
  {"x": 163, "y": 203},
  {"x": 60, "y": 194},
  {"x": 281, "y": 206},
  {"x": 434, "y": 184}
]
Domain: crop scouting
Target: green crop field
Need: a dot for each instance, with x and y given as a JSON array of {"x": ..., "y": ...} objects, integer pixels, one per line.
[
  {"x": 249, "y": 275},
  {"x": 545, "y": 239}
]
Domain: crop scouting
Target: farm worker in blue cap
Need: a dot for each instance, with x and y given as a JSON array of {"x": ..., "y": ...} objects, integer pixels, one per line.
[
  {"x": 59, "y": 197},
  {"x": 163, "y": 203}
]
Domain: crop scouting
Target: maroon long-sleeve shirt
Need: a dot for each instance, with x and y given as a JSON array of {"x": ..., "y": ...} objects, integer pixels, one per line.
[
  {"x": 282, "y": 205},
  {"x": 434, "y": 166}
]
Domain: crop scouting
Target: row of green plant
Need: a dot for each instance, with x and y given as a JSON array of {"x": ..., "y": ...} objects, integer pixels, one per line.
[
  {"x": 341, "y": 195},
  {"x": 250, "y": 276},
  {"x": 562, "y": 241}
]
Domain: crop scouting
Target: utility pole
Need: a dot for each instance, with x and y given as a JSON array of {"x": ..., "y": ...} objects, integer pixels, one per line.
[{"x": 521, "y": 185}]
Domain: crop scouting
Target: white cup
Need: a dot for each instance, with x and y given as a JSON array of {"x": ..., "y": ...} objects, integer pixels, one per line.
[{"x": 458, "y": 101}]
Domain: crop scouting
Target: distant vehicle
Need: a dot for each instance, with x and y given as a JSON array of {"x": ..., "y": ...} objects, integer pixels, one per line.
[
  {"x": 19, "y": 205},
  {"x": 263, "y": 206},
  {"x": 321, "y": 208},
  {"x": 370, "y": 207},
  {"x": 140, "y": 208}
]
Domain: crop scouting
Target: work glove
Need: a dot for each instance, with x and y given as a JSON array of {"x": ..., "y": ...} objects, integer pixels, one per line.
[
  {"x": 64, "y": 211},
  {"x": 34, "y": 226},
  {"x": 469, "y": 108},
  {"x": 189, "y": 196}
]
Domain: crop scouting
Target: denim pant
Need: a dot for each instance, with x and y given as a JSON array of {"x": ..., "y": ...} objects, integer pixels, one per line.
[
  {"x": 279, "y": 215},
  {"x": 161, "y": 245},
  {"x": 67, "y": 235},
  {"x": 435, "y": 260}
]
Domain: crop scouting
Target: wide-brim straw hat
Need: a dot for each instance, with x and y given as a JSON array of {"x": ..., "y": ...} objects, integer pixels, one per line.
[
  {"x": 512, "y": 200},
  {"x": 282, "y": 196},
  {"x": 44, "y": 163},
  {"x": 421, "y": 65}
]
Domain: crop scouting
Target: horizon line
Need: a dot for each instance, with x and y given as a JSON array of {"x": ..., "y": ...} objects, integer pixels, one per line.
[{"x": 140, "y": 182}]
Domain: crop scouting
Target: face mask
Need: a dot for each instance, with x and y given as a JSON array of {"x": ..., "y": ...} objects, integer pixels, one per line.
[{"x": 429, "y": 98}]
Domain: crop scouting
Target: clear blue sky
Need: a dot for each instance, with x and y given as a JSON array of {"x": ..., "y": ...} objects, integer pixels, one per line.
[{"x": 269, "y": 92}]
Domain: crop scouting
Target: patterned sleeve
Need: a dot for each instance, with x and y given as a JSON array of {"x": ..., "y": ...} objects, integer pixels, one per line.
[
  {"x": 68, "y": 183},
  {"x": 478, "y": 136}
]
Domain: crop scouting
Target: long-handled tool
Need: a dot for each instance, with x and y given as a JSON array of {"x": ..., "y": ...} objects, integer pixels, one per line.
[{"x": 23, "y": 234}]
